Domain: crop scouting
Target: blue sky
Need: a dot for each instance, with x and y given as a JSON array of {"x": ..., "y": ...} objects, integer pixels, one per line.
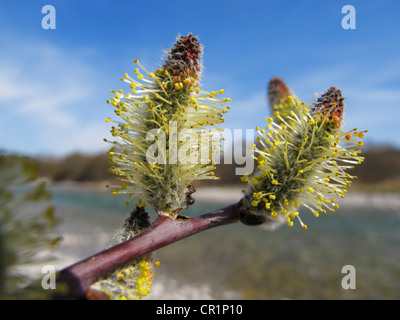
[{"x": 54, "y": 83}]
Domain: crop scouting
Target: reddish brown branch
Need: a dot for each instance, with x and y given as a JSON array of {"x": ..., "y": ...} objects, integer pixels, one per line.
[{"x": 162, "y": 232}]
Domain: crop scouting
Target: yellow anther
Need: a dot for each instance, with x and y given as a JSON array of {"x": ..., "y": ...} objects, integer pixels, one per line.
[
  {"x": 193, "y": 100},
  {"x": 254, "y": 180},
  {"x": 121, "y": 276}
]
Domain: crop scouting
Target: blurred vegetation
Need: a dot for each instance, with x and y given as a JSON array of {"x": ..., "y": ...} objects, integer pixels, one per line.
[
  {"x": 26, "y": 224},
  {"x": 380, "y": 170},
  {"x": 381, "y": 164},
  {"x": 76, "y": 167}
]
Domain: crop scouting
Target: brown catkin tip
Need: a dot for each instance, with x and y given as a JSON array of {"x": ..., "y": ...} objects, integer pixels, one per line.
[
  {"x": 277, "y": 90},
  {"x": 331, "y": 104},
  {"x": 185, "y": 55}
]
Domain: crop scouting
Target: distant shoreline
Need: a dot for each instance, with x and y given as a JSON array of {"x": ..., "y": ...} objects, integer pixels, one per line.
[{"x": 233, "y": 193}]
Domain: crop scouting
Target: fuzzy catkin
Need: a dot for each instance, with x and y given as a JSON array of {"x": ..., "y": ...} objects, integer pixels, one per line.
[
  {"x": 162, "y": 128},
  {"x": 302, "y": 161},
  {"x": 133, "y": 280}
]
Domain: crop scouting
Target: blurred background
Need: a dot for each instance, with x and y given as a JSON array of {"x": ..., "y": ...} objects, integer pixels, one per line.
[{"x": 53, "y": 88}]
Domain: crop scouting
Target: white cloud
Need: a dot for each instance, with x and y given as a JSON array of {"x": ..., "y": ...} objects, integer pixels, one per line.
[
  {"x": 46, "y": 99},
  {"x": 85, "y": 139}
]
